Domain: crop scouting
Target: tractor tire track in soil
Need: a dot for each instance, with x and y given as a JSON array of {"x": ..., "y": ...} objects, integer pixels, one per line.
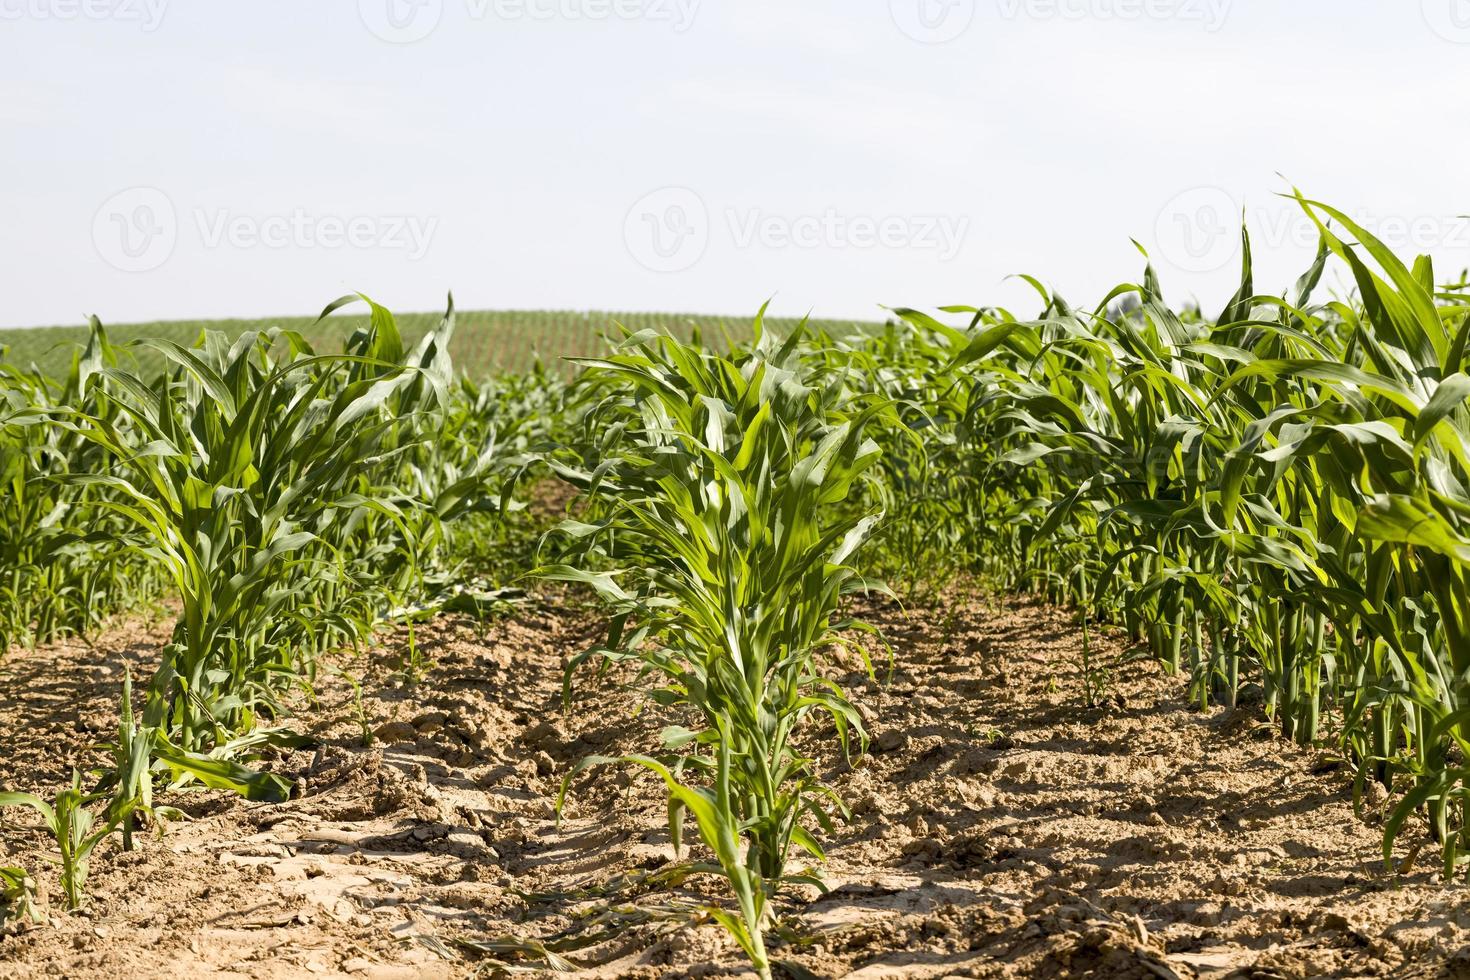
[{"x": 999, "y": 828}]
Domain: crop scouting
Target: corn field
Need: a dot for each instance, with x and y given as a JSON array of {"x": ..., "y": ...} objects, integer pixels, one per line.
[
  {"x": 484, "y": 343},
  {"x": 1270, "y": 502}
]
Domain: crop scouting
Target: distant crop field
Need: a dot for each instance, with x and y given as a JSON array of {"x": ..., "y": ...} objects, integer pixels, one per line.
[{"x": 485, "y": 341}]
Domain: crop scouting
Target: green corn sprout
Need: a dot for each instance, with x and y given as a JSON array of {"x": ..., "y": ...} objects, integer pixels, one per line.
[
  {"x": 18, "y": 905},
  {"x": 71, "y": 825}
]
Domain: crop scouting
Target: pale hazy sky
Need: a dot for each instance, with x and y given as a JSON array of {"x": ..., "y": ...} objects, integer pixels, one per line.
[{"x": 183, "y": 158}]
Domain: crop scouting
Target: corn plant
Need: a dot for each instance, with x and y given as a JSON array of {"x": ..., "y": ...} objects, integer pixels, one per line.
[
  {"x": 72, "y": 825},
  {"x": 63, "y": 566},
  {"x": 718, "y": 484},
  {"x": 241, "y": 474},
  {"x": 18, "y": 904},
  {"x": 929, "y": 483}
]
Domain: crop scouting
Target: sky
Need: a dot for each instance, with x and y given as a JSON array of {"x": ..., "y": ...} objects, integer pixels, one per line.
[{"x": 178, "y": 159}]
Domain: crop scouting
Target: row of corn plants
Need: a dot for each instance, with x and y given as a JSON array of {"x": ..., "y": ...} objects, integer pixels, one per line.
[
  {"x": 288, "y": 501},
  {"x": 1273, "y": 497},
  {"x": 1272, "y": 500},
  {"x": 59, "y": 573},
  {"x": 725, "y": 506}
]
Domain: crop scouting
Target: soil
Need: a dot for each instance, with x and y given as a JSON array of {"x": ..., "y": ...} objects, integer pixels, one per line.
[{"x": 999, "y": 828}]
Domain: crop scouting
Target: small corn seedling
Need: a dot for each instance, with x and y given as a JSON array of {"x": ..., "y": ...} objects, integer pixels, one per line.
[
  {"x": 72, "y": 825},
  {"x": 724, "y": 491},
  {"x": 19, "y": 906}
]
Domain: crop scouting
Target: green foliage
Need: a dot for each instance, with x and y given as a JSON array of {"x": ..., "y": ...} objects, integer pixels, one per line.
[
  {"x": 488, "y": 343},
  {"x": 1281, "y": 490},
  {"x": 244, "y": 477},
  {"x": 72, "y": 825},
  {"x": 718, "y": 487},
  {"x": 60, "y": 571},
  {"x": 289, "y": 501},
  {"x": 18, "y": 904},
  {"x": 1274, "y": 502}
]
